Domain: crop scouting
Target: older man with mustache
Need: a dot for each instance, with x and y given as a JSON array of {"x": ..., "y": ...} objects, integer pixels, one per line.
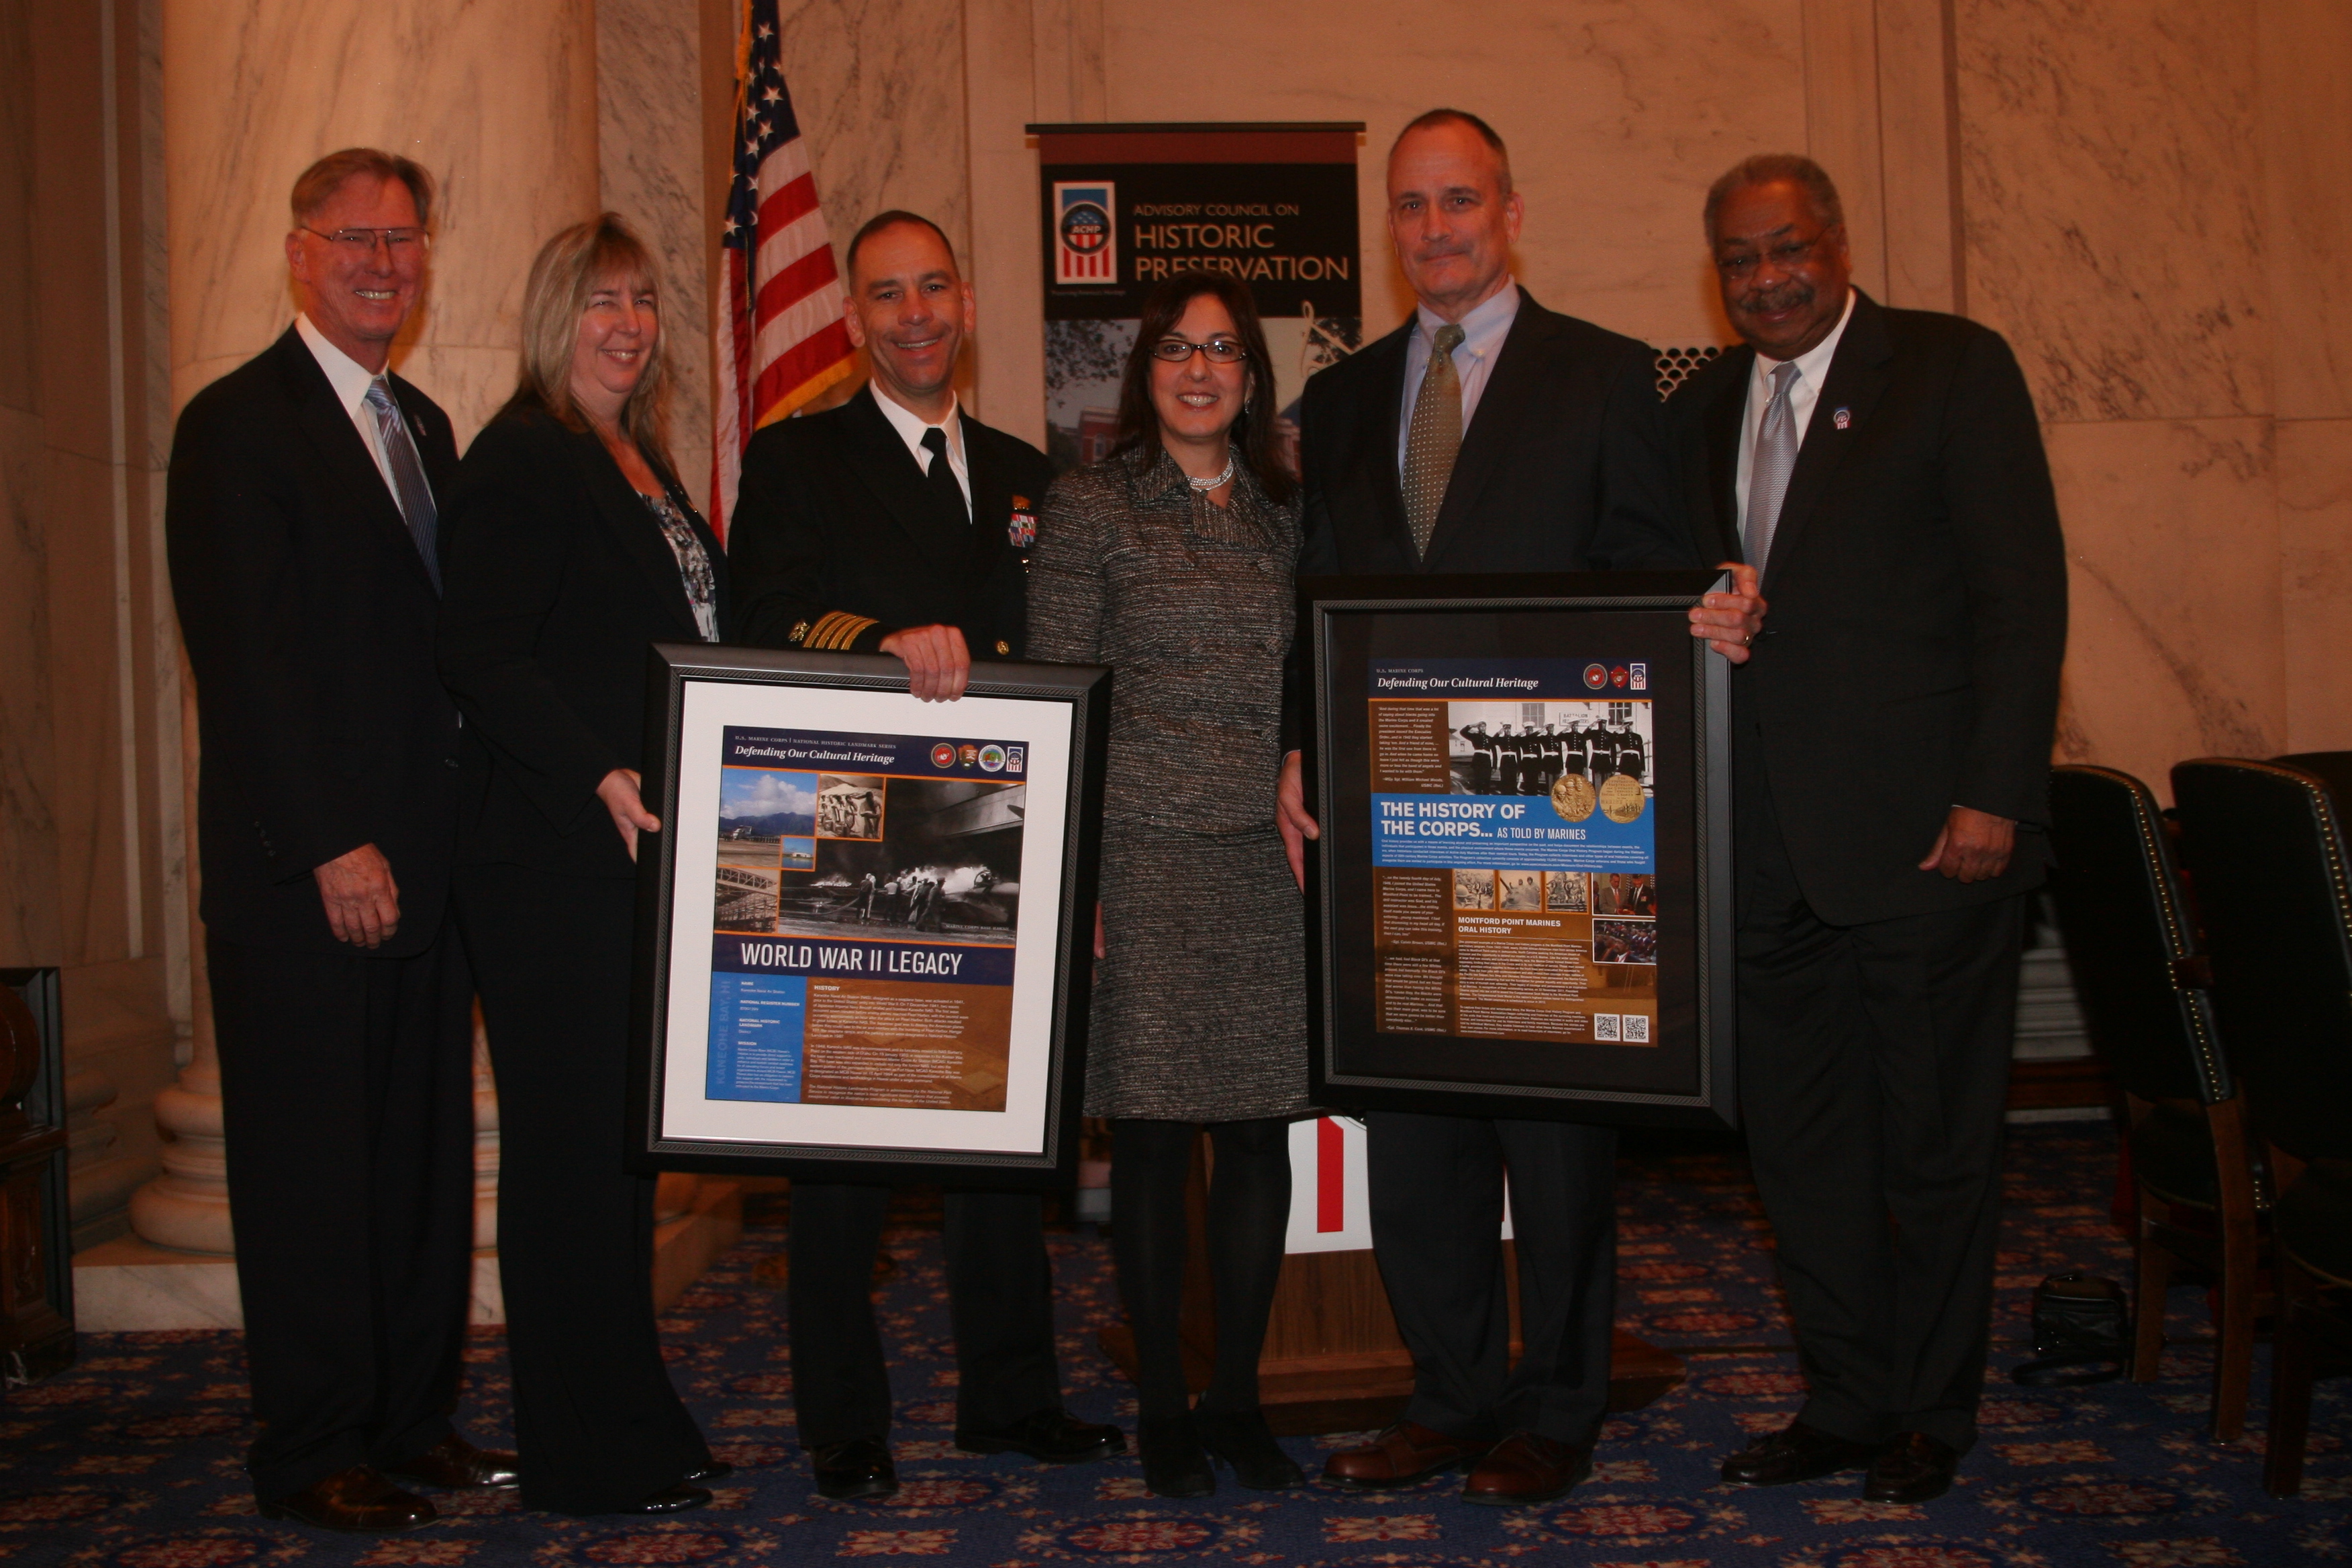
[{"x": 1884, "y": 471}]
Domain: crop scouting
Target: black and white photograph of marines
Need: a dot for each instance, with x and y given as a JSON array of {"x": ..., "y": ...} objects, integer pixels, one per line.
[
  {"x": 1525, "y": 748},
  {"x": 1474, "y": 889},
  {"x": 944, "y": 863},
  {"x": 1522, "y": 889}
]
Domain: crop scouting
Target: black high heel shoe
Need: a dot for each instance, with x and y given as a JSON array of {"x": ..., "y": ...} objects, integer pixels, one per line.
[
  {"x": 1173, "y": 1464},
  {"x": 1242, "y": 1440}
]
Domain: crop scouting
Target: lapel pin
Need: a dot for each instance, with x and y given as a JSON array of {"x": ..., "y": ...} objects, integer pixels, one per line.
[{"x": 1843, "y": 418}]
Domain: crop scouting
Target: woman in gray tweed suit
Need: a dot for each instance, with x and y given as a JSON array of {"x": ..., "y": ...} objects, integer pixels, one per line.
[{"x": 1171, "y": 560}]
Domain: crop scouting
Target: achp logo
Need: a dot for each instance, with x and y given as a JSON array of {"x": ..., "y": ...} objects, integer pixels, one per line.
[{"x": 1085, "y": 246}]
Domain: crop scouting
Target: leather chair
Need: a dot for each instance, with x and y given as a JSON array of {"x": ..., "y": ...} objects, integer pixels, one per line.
[
  {"x": 2131, "y": 944},
  {"x": 2266, "y": 847}
]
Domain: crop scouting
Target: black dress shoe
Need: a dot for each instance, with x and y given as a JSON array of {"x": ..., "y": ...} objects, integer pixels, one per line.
[
  {"x": 457, "y": 1466},
  {"x": 1795, "y": 1453},
  {"x": 1242, "y": 1440},
  {"x": 1050, "y": 1435},
  {"x": 1911, "y": 1466},
  {"x": 855, "y": 1467},
  {"x": 717, "y": 1470},
  {"x": 679, "y": 1498},
  {"x": 358, "y": 1500},
  {"x": 1173, "y": 1463}
]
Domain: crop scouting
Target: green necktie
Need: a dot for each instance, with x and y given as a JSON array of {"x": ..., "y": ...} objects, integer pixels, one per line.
[{"x": 1433, "y": 439}]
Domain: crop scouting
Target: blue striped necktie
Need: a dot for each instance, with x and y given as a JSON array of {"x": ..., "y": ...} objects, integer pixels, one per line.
[{"x": 408, "y": 486}]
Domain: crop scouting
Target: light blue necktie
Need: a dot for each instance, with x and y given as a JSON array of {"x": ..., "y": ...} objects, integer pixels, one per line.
[
  {"x": 1775, "y": 460},
  {"x": 408, "y": 486}
]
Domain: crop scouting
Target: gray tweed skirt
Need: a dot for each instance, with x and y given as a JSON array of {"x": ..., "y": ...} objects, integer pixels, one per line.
[{"x": 1200, "y": 1006}]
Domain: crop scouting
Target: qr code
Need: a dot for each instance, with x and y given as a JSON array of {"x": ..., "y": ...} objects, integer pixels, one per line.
[
  {"x": 1605, "y": 1026},
  {"x": 1637, "y": 1029}
]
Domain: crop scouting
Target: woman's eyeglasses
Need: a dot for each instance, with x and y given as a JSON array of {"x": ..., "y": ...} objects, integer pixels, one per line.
[{"x": 1221, "y": 351}]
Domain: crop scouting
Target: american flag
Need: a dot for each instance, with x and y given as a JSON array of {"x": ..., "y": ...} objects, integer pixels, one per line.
[{"x": 780, "y": 342}]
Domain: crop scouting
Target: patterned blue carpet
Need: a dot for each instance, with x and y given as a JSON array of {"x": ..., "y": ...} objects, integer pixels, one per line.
[{"x": 130, "y": 1461}]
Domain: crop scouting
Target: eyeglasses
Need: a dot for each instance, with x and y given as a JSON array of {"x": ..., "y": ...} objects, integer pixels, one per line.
[
  {"x": 1221, "y": 351},
  {"x": 1785, "y": 257},
  {"x": 363, "y": 241}
]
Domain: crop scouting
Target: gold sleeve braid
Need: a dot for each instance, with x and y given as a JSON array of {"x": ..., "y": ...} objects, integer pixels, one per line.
[{"x": 836, "y": 629}]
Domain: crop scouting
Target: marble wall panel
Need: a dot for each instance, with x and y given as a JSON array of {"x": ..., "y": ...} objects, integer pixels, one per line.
[
  {"x": 1619, "y": 114},
  {"x": 2305, "y": 60},
  {"x": 2315, "y": 499},
  {"x": 497, "y": 97},
  {"x": 878, "y": 87},
  {"x": 649, "y": 141},
  {"x": 17, "y": 140},
  {"x": 999, "y": 97},
  {"x": 2112, "y": 179},
  {"x": 2173, "y": 546},
  {"x": 28, "y": 851},
  {"x": 86, "y": 693}
]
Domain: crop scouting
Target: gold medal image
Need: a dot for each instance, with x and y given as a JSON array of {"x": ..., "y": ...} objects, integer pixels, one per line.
[
  {"x": 1571, "y": 796},
  {"x": 1621, "y": 798}
]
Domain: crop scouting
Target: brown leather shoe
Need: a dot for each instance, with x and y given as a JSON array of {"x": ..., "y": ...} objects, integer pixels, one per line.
[
  {"x": 358, "y": 1500},
  {"x": 457, "y": 1465},
  {"x": 1911, "y": 1466},
  {"x": 1526, "y": 1467},
  {"x": 1795, "y": 1453},
  {"x": 1405, "y": 1454}
]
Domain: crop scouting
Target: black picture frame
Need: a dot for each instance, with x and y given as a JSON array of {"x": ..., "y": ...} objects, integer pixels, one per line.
[
  {"x": 1071, "y": 702},
  {"x": 1686, "y": 1076}
]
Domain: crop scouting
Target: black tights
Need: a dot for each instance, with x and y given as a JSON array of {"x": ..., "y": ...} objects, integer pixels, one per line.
[{"x": 1249, "y": 1209}]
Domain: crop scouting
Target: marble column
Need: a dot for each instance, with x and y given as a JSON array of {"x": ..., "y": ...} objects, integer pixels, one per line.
[{"x": 496, "y": 98}]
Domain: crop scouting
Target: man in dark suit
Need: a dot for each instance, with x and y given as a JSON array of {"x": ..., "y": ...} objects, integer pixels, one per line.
[
  {"x": 301, "y": 522},
  {"x": 1892, "y": 735},
  {"x": 896, "y": 523},
  {"x": 1487, "y": 434}
]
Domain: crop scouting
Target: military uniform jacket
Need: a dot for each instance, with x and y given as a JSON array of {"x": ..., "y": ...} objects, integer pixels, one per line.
[{"x": 836, "y": 541}]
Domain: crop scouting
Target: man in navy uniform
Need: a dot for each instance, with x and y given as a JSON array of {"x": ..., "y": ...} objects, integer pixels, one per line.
[{"x": 898, "y": 523}]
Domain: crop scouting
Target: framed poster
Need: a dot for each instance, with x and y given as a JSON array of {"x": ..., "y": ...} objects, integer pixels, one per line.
[
  {"x": 1520, "y": 905},
  {"x": 865, "y": 935}
]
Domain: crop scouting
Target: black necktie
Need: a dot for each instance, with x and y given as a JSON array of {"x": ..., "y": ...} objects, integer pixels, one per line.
[{"x": 945, "y": 491}]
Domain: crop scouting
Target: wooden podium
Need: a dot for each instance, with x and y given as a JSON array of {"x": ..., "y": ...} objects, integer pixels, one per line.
[{"x": 1333, "y": 1360}]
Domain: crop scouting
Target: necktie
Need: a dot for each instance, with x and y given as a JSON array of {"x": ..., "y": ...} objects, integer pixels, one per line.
[
  {"x": 1775, "y": 460},
  {"x": 1433, "y": 439},
  {"x": 941, "y": 478},
  {"x": 408, "y": 486}
]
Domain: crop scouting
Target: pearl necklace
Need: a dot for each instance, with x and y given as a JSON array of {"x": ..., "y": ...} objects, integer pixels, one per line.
[{"x": 1206, "y": 486}]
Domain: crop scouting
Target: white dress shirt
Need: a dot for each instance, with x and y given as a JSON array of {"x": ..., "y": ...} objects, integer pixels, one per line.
[
  {"x": 911, "y": 427},
  {"x": 350, "y": 381},
  {"x": 1483, "y": 332},
  {"x": 1812, "y": 370}
]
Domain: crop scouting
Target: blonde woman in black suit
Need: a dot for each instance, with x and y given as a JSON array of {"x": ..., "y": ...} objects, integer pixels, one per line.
[{"x": 568, "y": 546}]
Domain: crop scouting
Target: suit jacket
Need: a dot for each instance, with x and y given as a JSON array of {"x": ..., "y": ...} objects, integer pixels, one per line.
[
  {"x": 309, "y": 618},
  {"x": 1917, "y": 591},
  {"x": 837, "y": 542},
  {"x": 557, "y": 579},
  {"x": 1564, "y": 466}
]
